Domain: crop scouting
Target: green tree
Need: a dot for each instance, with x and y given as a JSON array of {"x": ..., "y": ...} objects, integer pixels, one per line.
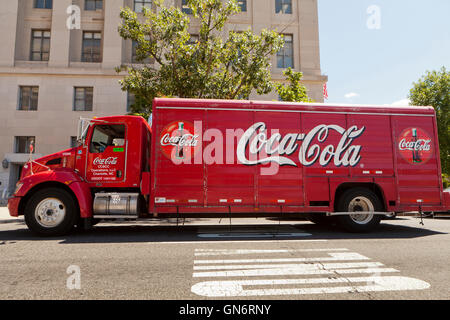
[
  {"x": 211, "y": 65},
  {"x": 294, "y": 90},
  {"x": 433, "y": 89}
]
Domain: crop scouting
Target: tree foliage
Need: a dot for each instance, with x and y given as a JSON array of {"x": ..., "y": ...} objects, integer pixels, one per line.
[
  {"x": 433, "y": 89},
  {"x": 294, "y": 90},
  {"x": 211, "y": 65}
]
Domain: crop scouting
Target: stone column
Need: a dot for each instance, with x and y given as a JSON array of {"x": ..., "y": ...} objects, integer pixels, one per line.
[
  {"x": 112, "y": 42},
  {"x": 262, "y": 15},
  {"x": 60, "y": 40},
  {"x": 8, "y": 25},
  {"x": 309, "y": 37}
]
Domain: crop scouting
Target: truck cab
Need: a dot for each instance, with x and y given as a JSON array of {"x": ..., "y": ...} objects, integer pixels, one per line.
[{"x": 70, "y": 187}]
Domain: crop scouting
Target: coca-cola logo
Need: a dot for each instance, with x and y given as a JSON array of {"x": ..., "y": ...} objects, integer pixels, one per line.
[
  {"x": 256, "y": 141},
  {"x": 415, "y": 146},
  {"x": 182, "y": 142},
  {"x": 105, "y": 161},
  {"x": 178, "y": 140}
]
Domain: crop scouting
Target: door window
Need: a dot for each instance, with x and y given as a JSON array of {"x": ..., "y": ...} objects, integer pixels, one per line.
[{"x": 107, "y": 135}]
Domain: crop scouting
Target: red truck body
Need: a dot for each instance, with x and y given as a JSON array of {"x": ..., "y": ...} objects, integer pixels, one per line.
[
  {"x": 381, "y": 154},
  {"x": 218, "y": 157}
]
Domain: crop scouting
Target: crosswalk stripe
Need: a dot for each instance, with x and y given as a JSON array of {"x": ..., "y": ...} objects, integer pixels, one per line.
[
  {"x": 287, "y": 271},
  {"x": 235, "y": 288},
  {"x": 217, "y": 252},
  {"x": 334, "y": 256},
  {"x": 304, "y": 266}
]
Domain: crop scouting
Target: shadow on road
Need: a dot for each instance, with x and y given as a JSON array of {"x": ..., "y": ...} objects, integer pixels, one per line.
[{"x": 126, "y": 233}]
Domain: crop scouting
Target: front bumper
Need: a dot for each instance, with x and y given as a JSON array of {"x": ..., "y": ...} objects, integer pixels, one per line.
[{"x": 13, "y": 206}]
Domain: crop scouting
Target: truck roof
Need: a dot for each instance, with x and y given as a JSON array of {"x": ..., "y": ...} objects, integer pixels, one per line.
[
  {"x": 248, "y": 105},
  {"x": 123, "y": 118}
]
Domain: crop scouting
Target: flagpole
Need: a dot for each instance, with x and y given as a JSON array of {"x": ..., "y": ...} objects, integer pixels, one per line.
[
  {"x": 325, "y": 91},
  {"x": 31, "y": 148}
]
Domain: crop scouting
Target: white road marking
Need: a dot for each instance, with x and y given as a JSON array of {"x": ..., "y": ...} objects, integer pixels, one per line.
[
  {"x": 217, "y": 252},
  {"x": 236, "y": 241},
  {"x": 287, "y": 271},
  {"x": 292, "y": 265},
  {"x": 332, "y": 268},
  {"x": 236, "y": 289},
  {"x": 253, "y": 235},
  {"x": 334, "y": 256}
]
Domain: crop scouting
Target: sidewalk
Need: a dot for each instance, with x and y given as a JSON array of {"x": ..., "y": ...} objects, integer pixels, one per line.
[{"x": 4, "y": 214}]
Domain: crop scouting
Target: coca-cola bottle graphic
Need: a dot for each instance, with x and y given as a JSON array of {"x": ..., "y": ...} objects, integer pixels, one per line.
[
  {"x": 415, "y": 151},
  {"x": 179, "y": 152}
]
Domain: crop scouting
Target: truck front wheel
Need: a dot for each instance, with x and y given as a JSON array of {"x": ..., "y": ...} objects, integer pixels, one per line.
[
  {"x": 360, "y": 201},
  {"x": 51, "y": 212}
]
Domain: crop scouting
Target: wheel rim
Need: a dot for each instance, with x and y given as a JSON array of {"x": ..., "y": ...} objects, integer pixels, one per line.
[
  {"x": 50, "y": 212},
  {"x": 361, "y": 204}
]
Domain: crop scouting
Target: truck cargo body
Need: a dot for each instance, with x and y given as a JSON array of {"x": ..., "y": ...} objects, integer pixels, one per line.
[{"x": 331, "y": 148}]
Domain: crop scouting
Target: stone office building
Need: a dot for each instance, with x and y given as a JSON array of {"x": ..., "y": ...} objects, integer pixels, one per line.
[{"x": 51, "y": 75}]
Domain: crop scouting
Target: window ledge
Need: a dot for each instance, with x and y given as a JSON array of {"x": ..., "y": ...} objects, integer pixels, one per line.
[
  {"x": 93, "y": 65},
  {"x": 29, "y": 63},
  {"x": 21, "y": 158}
]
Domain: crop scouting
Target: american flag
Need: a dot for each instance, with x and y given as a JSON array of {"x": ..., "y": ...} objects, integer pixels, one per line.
[
  {"x": 325, "y": 91},
  {"x": 31, "y": 146}
]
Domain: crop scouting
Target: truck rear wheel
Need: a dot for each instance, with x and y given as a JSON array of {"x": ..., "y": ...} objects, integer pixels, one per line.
[
  {"x": 359, "y": 200},
  {"x": 51, "y": 212}
]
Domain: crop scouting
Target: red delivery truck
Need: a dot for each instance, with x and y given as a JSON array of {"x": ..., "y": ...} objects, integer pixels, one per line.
[{"x": 220, "y": 158}]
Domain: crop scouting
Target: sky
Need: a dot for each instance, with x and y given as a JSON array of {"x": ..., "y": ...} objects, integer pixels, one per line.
[{"x": 373, "y": 50}]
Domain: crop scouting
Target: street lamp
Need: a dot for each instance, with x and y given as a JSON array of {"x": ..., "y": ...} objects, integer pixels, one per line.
[{"x": 5, "y": 163}]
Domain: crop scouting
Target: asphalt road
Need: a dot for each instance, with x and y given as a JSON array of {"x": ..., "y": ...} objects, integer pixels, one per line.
[{"x": 209, "y": 259}]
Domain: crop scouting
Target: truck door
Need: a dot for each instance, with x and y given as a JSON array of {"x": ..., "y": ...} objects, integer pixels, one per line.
[
  {"x": 417, "y": 160},
  {"x": 107, "y": 152}
]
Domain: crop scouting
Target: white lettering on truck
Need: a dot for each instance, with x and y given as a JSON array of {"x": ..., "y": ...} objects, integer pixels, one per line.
[{"x": 344, "y": 154}]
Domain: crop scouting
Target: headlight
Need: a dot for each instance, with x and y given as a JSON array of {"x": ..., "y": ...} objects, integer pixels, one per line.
[{"x": 18, "y": 186}]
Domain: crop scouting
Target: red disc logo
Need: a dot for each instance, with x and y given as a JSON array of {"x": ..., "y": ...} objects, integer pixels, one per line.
[
  {"x": 415, "y": 146},
  {"x": 178, "y": 141}
]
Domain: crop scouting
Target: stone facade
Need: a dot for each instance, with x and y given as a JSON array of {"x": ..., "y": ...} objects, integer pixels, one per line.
[{"x": 55, "y": 121}]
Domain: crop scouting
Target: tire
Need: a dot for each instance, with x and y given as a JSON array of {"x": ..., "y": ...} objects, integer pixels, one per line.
[
  {"x": 51, "y": 212},
  {"x": 359, "y": 200}
]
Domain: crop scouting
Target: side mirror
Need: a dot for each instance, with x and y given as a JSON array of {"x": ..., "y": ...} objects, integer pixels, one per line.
[{"x": 83, "y": 126}]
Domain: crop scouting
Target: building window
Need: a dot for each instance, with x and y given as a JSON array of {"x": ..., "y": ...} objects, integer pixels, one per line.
[
  {"x": 74, "y": 142},
  {"x": 140, "y": 4},
  {"x": 83, "y": 100},
  {"x": 28, "y": 98},
  {"x": 193, "y": 39},
  {"x": 92, "y": 5},
  {"x": 43, "y": 4},
  {"x": 92, "y": 47},
  {"x": 22, "y": 144},
  {"x": 283, "y": 6},
  {"x": 40, "y": 45},
  {"x": 131, "y": 99},
  {"x": 285, "y": 57},
  {"x": 185, "y": 8},
  {"x": 134, "y": 55},
  {"x": 242, "y": 5}
]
